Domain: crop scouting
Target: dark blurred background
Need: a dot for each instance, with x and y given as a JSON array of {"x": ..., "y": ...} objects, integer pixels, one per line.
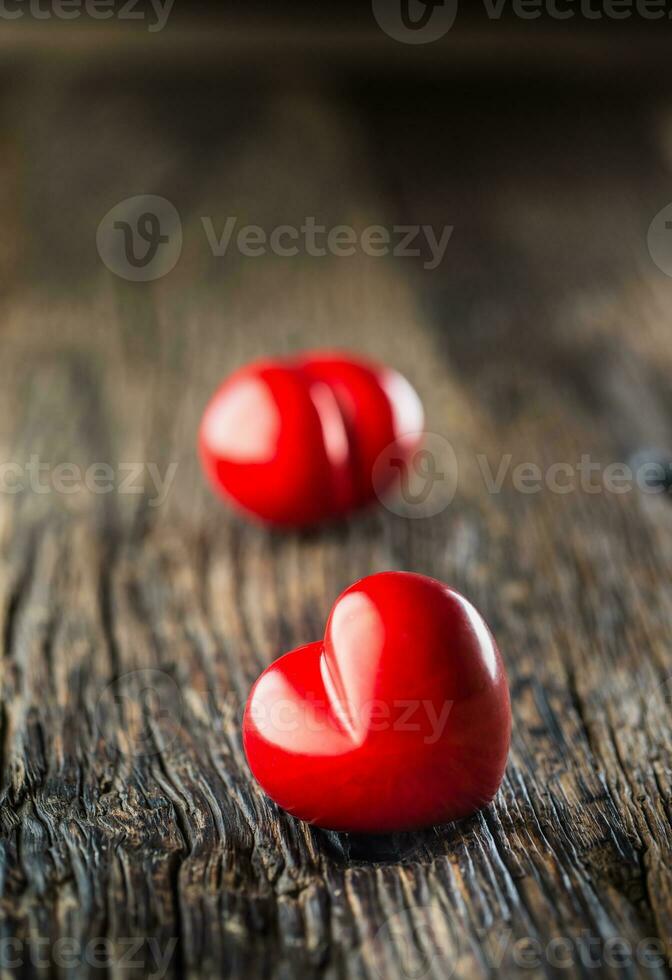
[{"x": 542, "y": 141}]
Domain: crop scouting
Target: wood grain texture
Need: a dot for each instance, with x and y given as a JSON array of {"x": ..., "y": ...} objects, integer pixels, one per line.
[{"x": 131, "y": 629}]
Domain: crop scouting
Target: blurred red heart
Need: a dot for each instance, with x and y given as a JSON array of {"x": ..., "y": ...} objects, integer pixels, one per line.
[
  {"x": 400, "y": 719},
  {"x": 294, "y": 441}
]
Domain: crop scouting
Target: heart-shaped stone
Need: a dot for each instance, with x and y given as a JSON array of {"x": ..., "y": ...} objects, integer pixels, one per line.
[{"x": 399, "y": 719}]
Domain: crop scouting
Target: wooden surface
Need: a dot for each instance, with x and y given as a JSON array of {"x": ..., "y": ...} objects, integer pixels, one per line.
[{"x": 131, "y": 632}]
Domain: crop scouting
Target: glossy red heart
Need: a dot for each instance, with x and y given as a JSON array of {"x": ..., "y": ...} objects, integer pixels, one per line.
[
  {"x": 294, "y": 441},
  {"x": 399, "y": 719}
]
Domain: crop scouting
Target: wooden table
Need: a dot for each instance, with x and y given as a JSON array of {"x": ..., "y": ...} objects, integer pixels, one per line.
[{"x": 134, "y": 840}]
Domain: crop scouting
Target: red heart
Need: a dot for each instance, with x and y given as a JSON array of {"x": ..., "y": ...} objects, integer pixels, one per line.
[
  {"x": 294, "y": 441},
  {"x": 400, "y": 719}
]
